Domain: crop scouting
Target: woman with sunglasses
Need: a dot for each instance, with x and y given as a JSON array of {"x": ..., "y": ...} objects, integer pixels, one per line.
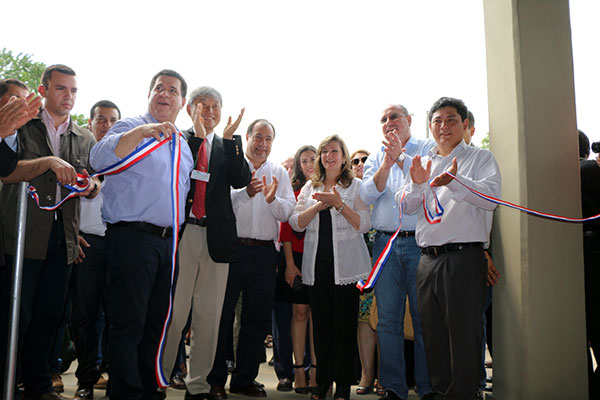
[
  {"x": 358, "y": 159},
  {"x": 335, "y": 257}
]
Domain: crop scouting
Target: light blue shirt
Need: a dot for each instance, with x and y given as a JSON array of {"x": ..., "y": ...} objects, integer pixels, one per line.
[
  {"x": 386, "y": 212},
  {"x": 143, "y": 191},
  {"x": 11, "y": 141}
]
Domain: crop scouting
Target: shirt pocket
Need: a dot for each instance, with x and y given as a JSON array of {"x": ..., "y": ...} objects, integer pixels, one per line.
[{"x": 79, "y": 161}]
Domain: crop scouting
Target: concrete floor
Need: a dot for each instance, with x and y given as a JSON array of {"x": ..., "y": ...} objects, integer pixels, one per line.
[{"x": 266, "y": 376}]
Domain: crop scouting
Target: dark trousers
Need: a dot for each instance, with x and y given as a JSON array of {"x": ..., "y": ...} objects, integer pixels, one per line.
[
  {"x": 88, "y": 283},
  {"x": 44, "y": 290},
  {"x": 335, "y": 320},
  {"x": 451, "y": 296},
  {"x": 254, "y": 276},
  {"x": 282, "y": 340},
  {"x": 139, "y": 285},
  {"x": 591, "y": 259}
]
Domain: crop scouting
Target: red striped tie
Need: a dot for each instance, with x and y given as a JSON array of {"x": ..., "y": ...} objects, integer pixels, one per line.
[{"x": 200, "y": 193}]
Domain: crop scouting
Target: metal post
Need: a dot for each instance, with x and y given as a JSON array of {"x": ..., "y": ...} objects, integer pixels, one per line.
[{"x": 11, "y": 365}]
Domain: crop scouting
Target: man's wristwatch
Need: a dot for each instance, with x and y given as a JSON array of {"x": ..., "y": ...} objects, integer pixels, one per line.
[{"x": 94, "y": 190}]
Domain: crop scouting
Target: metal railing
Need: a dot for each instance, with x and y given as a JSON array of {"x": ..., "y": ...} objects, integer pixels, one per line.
[{"x": 15, "y": 306}]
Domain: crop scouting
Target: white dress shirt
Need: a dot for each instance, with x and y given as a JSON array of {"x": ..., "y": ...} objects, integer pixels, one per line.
[
  {"x": 255, "y": 218},
  {"x": 466, "y": 216},
  {"x": 90, "y": 220}
]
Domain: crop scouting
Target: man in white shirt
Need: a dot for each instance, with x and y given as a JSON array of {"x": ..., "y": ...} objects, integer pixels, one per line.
[
  {"x": 452, "y": 272},
  {"x": 259, "y": 207}
]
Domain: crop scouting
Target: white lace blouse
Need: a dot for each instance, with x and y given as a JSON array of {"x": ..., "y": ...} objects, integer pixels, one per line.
[{"x": 350, "y": 255}]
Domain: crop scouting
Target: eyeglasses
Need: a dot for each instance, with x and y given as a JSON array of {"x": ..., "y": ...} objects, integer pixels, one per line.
[
  {"x": 392, "y": 117},
  {"x": 355, "y": 161}
]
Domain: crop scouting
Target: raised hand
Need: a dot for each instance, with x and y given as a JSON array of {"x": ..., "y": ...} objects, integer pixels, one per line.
[
  {"x": 232, "y": 127},
  {"x": 198, "y": 120},
  {"x": 330, "y": 199},
  {"x": 270, "y": 189},
  {"x": 418, "y": 174},
  {"x": 393, "y": 148},
  {"x": 17, "y": 112},
  {"x": 444, "y": 179},
  {"x": 255, "y": 186}
]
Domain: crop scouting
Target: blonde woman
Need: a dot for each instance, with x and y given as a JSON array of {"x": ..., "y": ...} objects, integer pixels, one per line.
[{"x": 329, "y": 209}]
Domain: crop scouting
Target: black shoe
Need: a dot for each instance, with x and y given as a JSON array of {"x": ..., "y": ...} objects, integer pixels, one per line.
[
  {"x": 217, "y": 393},
  {"x": 84, "y": 393},
  {"x": 389, "y": 395},
  {"x": 431, "y": 396},
  {"x": 199, "y": 396},
  {"x": 285, "y": 385},
  {"x": 251, "y": 390}
]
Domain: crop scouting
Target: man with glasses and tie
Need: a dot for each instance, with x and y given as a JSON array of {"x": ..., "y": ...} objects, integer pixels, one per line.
[
  {"x": 386, "y": 172},
  {"x": 210, "y": 240}
]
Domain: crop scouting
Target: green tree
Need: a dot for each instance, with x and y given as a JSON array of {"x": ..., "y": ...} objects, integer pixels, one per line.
[
  {"x": 485, "y": 142},
  {"x": 23, "y": 68}
]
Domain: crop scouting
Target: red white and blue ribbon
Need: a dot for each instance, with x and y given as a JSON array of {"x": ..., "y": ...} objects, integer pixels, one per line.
[
  {"x": 163, "y": 381},
  {"x": 83, "y": 182},
  {"x": 524, "y": 209},
  {"x": 435, "y": 218}
]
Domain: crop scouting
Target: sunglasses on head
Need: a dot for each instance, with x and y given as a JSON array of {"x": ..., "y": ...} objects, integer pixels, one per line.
[{"x": 355, "y": 161}]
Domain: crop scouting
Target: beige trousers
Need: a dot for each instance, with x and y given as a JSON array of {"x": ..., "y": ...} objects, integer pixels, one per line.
[{"x": 201, "y": 285}]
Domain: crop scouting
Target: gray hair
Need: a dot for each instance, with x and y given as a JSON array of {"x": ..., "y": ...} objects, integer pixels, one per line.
[{"x": 204, "y": 92}]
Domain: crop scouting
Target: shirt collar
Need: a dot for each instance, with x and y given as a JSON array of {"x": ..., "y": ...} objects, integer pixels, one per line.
[
  {"x": 460, "y": 148},
  {"x": 49, "y": 122},
  {"x": 411, "y": 143}
]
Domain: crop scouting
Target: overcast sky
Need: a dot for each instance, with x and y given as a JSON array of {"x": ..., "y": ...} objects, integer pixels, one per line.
[{"x": 313, "y": 68}]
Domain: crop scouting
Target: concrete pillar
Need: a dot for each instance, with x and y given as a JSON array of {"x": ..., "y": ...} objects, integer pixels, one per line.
[{"x": 539, "y": 322}]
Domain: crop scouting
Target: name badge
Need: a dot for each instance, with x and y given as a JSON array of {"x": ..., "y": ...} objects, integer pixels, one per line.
[{"x": 200, "y": 176}]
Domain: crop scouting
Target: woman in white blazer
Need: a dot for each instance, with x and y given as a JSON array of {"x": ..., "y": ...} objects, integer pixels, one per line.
[{"x": 335, "y": 258}]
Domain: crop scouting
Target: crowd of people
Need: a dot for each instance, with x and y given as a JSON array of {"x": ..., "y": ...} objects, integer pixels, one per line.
[{"x": 194, "y": 232}]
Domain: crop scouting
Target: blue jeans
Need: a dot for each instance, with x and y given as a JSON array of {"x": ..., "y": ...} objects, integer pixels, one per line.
[{"x": 397, "y": 280}]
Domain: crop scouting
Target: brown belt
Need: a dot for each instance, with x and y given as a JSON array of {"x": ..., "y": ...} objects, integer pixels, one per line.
[{"x": 254, "y": 242}]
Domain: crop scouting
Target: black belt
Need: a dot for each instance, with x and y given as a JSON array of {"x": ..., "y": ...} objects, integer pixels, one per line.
[
  {"x": 197, "y": 221},
  {"x": 147, "y": 227},
  {"x": 254, "y": 242},
  {"x": 401, "y": 233},
  {"x": 434, "y": 251}
]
